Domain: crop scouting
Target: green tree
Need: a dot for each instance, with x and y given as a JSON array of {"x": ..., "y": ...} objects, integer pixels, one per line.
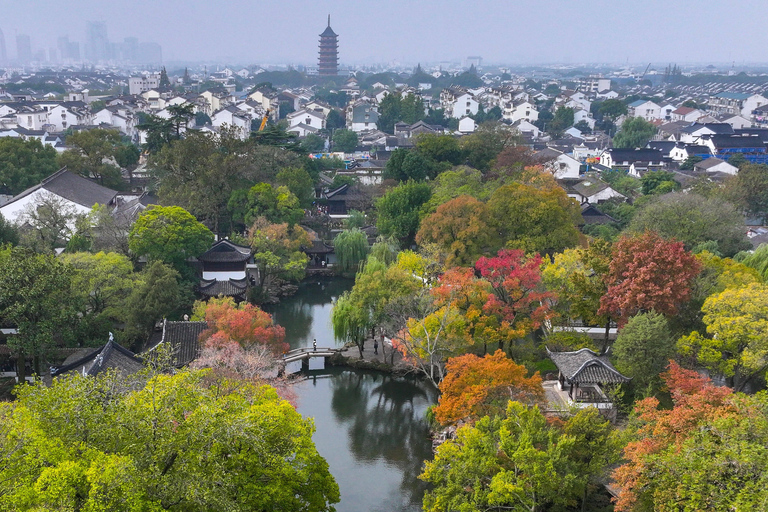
[
  {"x": 53, "y": 221},
  {"x": 181, "y": 115},
  {"x": 313, "y": 143},
  {"x": 364, "y": 308},
  {"x": 195, "y": 443},
  {"x": 277, "y": 250},
  {"x": 520, "y": 462},
  {"x": 562, "y": 120},
  {"x": 749, "y": 189},
  {"x": 335, "y": 120},
  {"x": 693, "y": 220},
  {"x": 90, "y": 150},
  {"x": 737, "y": 325},
  {"x": 635, "y": 133},
  {"x": 461, "y": 181},
  {"x": 344, "y": 140},
  {"x": 535, "y": 220},
  {"x": 389, "y": 112},
  {"x": 24, "y": 163},
  {"x": 164, "y": 81},
  {"x": 411, "y": 109},
  {"x": 658, "y": 182},
  {"x": 201, "y": 118},
  {"x": 157, "y": 294},
  {"x": 643, "y": 350},
  {"x": 276, "y": 204},
  {"x": 36, "y": 296},
  {"x": 299, "y": 182},
  {"x": 440, "y": 148},
  {"x": 105, "y": 281},
  {"x": 169, "y": 234},
  {"x": 461, "y": 228},
  {"x": 398, "y": 210},
  {"x": 351, "y": 248},
  {"x": 8, "y": 233},
  {"x": 704, "y": 453},
  {"x": 489, "y": 140},
  {"x": 612, "y": 109}
]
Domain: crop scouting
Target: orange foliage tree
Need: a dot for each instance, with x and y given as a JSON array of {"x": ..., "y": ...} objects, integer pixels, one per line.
[
  {"x": 480, "y": 386},
  {"x": 244, "y": 324},
  {"x": 708, "y": 452}
]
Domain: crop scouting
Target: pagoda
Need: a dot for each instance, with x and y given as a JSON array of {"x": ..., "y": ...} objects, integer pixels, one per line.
[{"x": 328, "y": 59}]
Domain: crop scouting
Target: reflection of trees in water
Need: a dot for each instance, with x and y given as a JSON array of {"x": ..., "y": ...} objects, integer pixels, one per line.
[
  {"x": 295, "y": 312},
  {"x": 386, "y": 422}
]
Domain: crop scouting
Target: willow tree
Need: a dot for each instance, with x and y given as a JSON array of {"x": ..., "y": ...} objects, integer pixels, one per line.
[
  {"x": 350, "y": 321},
  {"x": 351, "y": 247}
]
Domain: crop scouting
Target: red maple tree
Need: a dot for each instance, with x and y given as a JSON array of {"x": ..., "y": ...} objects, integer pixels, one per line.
[
  {"x": 518, "y": 299},
  {"x": 244, "y": 324},
  {"x": 648, "y": 273}
]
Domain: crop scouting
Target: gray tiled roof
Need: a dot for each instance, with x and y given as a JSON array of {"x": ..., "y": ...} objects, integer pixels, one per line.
[
  {"x": 183, "y": 338},
  {"x": 585, "y": 367},
  {"x": 229, "y": 288},
  {"x": 226, "y": 251},
  {"x": 109, "y": 356},
  {"x": 74, "y": 188}
]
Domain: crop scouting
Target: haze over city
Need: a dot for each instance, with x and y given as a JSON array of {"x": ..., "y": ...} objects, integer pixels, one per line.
[{"x": 521, "y": 32}]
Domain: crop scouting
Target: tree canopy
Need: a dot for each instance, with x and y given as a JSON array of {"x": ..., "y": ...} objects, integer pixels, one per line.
[
  {"x": 169, "y": 234},
  {"x": 693, "y": 220},
  {"x": 635, "y": 133},
  {"x": 24, "y": 163},
  {"x": 177, "y": 442}
]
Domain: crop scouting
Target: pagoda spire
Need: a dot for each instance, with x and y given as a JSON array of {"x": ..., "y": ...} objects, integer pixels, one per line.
[{"x": 329, "y": 20}]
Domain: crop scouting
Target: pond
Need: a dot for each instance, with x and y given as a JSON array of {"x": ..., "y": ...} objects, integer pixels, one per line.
[{"x": 371, "y": 426}]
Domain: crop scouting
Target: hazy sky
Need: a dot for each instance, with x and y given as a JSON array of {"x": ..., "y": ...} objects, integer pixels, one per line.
[{"x": 409, "y": 31}]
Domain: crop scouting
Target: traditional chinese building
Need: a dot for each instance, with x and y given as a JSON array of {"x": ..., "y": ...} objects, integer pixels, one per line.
[
  {"x": 328, "y": 59},
  {"x": 226, "y": 268}
]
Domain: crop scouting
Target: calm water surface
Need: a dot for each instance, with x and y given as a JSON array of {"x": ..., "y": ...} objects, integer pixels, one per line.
[{"x": 370, "y": 427}]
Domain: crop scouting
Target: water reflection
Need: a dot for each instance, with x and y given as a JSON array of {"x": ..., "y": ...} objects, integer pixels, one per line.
[
  {"x": 306, "y": 314},
  {"x": 376, "y": 439}
]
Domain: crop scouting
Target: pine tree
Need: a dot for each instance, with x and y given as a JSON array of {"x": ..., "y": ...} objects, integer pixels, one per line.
[{"x": 164, "y": 81}]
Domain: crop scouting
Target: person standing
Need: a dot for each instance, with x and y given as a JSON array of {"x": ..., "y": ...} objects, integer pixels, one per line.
[{"x": 375, "y": 346}]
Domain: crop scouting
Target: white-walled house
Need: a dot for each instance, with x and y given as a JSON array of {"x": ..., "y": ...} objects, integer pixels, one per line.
[
  {"x": 525, "y": 110},
  {"x": 686, "y": 114},
  {"x": 458, "y": 102},
  {"x": 362, "y": 116},
  {"x": 67, "y": 114},
  {"x": 234, "y": 117},
  {"x": 312, "y": 118},
  {"x": 713, "y": 165},
  {"x": 559, "y": 164},
  {"x": 75, "y": 192},
  {"x": 32, "y": 119},
  {"x": 583, "y": 115},
  {"x": 526, "y": 128},
  {"x": 466, "y": 125},
  {"x": 648, "y": 110}
]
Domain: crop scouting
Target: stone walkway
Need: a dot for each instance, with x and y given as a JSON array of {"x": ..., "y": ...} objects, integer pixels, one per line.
[{"x": 354, "y": 353}]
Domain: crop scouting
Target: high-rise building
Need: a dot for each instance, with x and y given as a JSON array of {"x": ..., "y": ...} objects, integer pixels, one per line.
[
  {"x": 328, "y": 59},
  {"x": 97, "y": 44},
  {"x": 23, "y": 49},
  {"x": 68, "y": 50},
  {"x": 3, "y": 53},
  {"x": 150, "y": 53}
]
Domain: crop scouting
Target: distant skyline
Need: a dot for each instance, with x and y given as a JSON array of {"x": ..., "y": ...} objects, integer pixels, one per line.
[{"x": 502, "y": 32}]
